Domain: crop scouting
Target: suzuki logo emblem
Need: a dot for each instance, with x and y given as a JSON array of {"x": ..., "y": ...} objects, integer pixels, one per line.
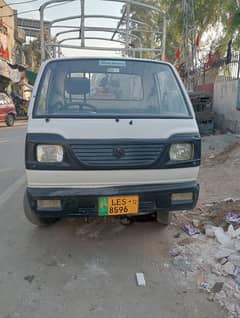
[{"x": 118, "y": 152}]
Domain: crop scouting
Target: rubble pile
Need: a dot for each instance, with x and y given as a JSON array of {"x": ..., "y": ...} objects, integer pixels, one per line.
[
  {"x": 203, "y": 108},
  {"x": 210, "y": 255}
]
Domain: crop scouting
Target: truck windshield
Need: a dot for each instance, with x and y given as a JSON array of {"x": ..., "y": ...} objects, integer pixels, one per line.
[{"x": 109, "y": 88}]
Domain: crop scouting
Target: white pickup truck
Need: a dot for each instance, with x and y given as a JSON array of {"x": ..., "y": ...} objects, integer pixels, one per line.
[{"x": 110, "y": 137}]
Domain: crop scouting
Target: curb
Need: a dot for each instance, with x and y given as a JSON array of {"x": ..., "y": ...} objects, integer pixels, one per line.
[{"x": 18, "y": 123}]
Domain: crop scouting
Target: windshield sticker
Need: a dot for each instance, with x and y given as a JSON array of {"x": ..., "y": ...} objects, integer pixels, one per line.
[
  {"x": 113, "y": 70},
  {"x": 112, "y": 63}
]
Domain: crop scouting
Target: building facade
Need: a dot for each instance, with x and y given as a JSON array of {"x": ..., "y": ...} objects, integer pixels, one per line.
[
  {"x": 7, "y": 31},
  {"x": 11, "y": 37}
]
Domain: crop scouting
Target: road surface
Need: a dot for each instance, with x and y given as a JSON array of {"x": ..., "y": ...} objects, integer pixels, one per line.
[{"x": 84, "y": 270}]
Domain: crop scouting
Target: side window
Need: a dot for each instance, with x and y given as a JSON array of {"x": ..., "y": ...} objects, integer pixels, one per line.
[
  {"x": 42, "y": 97},
  {"x": 171, "y": 99},
  {"x": 55, "y": 90}
]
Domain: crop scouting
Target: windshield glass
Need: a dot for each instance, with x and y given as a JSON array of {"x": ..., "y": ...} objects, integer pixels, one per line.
[{"x": 109, "y": 88}]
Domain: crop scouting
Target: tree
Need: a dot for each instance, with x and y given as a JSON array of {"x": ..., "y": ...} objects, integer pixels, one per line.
[
  {"x": 207, "y": 14},
  {"x": 33, "y": 54},
  {"x": 231, "y": 22}
]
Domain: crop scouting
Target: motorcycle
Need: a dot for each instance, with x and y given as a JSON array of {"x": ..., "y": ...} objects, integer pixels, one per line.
[{"x": 21, "y": 106}]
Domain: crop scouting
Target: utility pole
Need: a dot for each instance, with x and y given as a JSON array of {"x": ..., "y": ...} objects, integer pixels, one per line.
[
  {"x": 164, "y": 37},
  {"x": 189, "y": 45},
  {"x": 128, "y": 9}
]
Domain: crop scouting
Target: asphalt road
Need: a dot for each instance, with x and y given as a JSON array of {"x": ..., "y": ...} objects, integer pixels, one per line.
[{"x": 84, "y": 270}]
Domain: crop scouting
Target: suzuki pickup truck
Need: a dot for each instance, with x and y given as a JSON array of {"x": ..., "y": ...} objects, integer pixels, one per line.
[{"x": 110, "y": 137}]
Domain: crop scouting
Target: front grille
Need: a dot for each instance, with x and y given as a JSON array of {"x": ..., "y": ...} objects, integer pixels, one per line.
[
  {"x": 125, "y": 155},
  {"x": 147, "y": 206}
]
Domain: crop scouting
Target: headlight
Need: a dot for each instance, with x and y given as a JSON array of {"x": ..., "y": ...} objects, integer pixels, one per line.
[
  {"x": 49, "y": 153},
  {"x": 182, "y": 152}
]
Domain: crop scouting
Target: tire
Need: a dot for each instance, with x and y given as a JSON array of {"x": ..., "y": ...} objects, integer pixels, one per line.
[
  {"x": 164, "y": 217},
  {"x": 33, "y": 217},
  {"x": 10, "y": 120}
]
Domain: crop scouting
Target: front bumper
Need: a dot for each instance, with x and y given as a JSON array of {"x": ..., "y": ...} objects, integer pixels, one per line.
[{"x": 84, "y": 202}]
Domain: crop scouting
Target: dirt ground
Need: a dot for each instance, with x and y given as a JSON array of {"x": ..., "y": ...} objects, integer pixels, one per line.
[
  {"x": 195, "y": 255},
  {"x": 220, "y": 169},
  {"x": 87, "y": 269},
  {"x": 219, "y": 180},
  {"x": 18, "y": 123}
]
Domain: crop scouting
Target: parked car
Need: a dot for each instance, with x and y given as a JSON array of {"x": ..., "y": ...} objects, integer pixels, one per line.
[
  {"x": 7, "y": 110},
  {"x": 110, "y": 137}
]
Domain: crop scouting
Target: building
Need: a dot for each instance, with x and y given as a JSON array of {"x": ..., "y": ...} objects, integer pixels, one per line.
[
  {"x": 7, "y": 31},
  {"x": 11, "y": 36}
]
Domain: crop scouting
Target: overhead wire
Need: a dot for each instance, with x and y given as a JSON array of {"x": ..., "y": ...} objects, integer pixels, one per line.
[
  {"x": 18, "y": 13},
  {"x": 16, "y": 3},
  {"x": 33, "y": 10}
]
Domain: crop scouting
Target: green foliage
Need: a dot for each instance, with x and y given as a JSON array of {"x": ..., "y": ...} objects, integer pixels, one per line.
[
  {"x": 36, "y": 54},
  {"x": 207, "y": 14},
  {"x": 33, "y": 54}
]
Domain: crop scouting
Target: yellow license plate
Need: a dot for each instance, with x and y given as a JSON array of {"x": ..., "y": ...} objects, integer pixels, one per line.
[{"x": 118, "y": 205}]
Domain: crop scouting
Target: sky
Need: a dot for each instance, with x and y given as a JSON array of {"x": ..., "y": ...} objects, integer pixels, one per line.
[{"x": 93, "y": 7}]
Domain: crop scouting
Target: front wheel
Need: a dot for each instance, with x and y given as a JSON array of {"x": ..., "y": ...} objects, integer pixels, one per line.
[
  {"x": 164, "y": 217},
  {"x": 10, "y": 120},
  {"x": 33, "y": 217}
]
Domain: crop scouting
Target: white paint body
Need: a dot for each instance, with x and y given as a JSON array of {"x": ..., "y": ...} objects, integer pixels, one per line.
[
  {"x": 110, "y": 129},
  {"x": 99, "y": 179},
  {"x": 81, "y": 128}
]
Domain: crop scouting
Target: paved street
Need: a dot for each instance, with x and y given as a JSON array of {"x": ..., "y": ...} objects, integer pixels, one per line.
[{"x": 76, "y": 269}]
